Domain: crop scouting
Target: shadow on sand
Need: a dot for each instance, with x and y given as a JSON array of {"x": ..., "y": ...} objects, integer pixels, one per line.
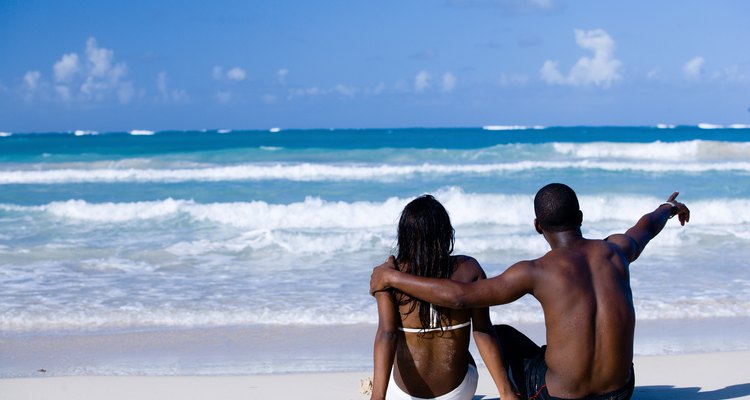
[
  {"x": 690, "y": 393},
  {"x": 677, "y": 393}
]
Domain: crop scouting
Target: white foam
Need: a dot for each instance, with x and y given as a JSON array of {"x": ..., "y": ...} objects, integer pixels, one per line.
[
  {"x": 80, "y": 132},
  {"x": 223, "y": 131},
  {"x": 675, "y": 151},
  {"x": 113, "y": 212},
  {"x": 141, "y": 132},
  {"x": 691, "y": 308},
  {"x": 730, "y": 126},
  {"x": 140, "y": 317},
  {"x": 466, "y": 209},
  {"x": 665, "y": 126},
  {"x": 358, "y": 310},
  {"x": 307, "y": 172},
  {"x": 5, "y": 134},
  {"x": 710, "y": 126},
  {"x": 275, "y": 130},
  {"x": 511, "y": 127}
]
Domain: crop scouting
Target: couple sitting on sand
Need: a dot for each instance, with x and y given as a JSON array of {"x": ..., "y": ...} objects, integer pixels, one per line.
[{"x": 428, "y": 299}]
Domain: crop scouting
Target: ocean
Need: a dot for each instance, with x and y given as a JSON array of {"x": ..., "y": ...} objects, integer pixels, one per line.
[{"x": 160, "y": 244}]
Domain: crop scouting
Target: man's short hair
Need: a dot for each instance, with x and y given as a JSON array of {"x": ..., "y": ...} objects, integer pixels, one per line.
[{"x": 556, "y": 207}]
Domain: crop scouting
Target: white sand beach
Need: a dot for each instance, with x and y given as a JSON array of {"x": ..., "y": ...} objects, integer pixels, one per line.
[{"x": 704, "y": 376}]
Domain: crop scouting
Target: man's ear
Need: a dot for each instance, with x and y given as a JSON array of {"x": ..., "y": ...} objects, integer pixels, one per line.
[
  {"x": 537, "y": 226},
  {"x": 580, "y": 217}
]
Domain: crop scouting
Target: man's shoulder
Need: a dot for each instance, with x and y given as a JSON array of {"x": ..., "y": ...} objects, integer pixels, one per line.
[{"x": 622, "y": 245}]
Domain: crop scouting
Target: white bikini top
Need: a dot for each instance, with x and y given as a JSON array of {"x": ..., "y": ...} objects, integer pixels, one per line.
[
  {"x": 434, "y": 324},
  {"x": 445, "y": 328}
]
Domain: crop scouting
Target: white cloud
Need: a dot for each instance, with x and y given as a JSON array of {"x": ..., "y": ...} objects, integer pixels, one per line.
[
  {"x": 542, "y": 4},
  {"x": 95, "y": 78},
  {"x": 236, "y": 74},
  {"x": 340, "y": 89},
  {"x": 513, "y": 79},
  {"x": 281, "y": 76},
  {"x": 422, "y": 81},
  {"x": 31, "y": 79},
  {"x": 448, "y": 82},
  {"x": 654, "y": 73},
  {"x": 224, "y": 97},
  {"x": 100, "y": 60},
  {"x": 511, "y": 7},
  {"x": 177, "y": 96},
  {"x": 303, "y": 92},
  {"x": 600, "y": 70},
  {"x": 735, "y": 74},
  {"x": 161, "y": 84},
  {"x": 269, "y": 98},
  {"x": 346, "y": 91},
  {"x": 100, "y": 63},
  {"x": 551, "y": 74},
  {"x": 64, "y": 92},
  {"x": 693, "y": 69},
  {"x": 66, "y": 68},
  {"x": 379, "y": 88}
]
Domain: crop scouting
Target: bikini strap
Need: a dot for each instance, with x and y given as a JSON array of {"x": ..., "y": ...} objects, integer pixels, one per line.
[{"x": 447, "y": 328}]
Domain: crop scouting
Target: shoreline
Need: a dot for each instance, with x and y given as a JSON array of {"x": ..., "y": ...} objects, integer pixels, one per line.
[
  {"x": 685, "y": 377},
  {"x": 287, "y": 349}
]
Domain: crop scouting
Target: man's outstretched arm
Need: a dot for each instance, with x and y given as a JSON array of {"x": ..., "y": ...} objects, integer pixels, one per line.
[
  {"x": 504, "y": 288},
  {"x": 636, "y": 238}
]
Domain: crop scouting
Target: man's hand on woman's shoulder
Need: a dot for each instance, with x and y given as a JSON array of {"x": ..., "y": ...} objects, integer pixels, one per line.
[{"x": 378, "y": 279}]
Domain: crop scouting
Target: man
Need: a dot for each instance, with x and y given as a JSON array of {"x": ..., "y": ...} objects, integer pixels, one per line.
[{"x": 583, "y": 286}]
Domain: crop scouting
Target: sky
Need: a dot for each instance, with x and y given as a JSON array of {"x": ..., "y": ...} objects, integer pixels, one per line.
[{"x": 298, "y": 64}]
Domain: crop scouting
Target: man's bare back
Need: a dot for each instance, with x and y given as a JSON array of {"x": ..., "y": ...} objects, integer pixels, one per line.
[
  {"x": 583, "y": 287},
  {"x": 585, "y": 294}
]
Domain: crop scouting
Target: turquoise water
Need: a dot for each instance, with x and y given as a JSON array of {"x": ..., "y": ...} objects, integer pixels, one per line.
[{"x": 104, "y": 232}]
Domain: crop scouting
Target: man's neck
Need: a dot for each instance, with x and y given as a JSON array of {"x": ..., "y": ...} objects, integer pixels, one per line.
[{"x": 565, "y": 239}]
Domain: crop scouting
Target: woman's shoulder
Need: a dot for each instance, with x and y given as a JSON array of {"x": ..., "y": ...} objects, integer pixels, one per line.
[{"x": 468, "y": 269}]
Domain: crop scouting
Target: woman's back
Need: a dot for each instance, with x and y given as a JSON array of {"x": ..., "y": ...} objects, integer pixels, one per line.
[
  {"x": 431, "y": 362},
  {"x": 421, "y": 350}
]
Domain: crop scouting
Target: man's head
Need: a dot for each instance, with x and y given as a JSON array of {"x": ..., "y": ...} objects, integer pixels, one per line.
[{"x": 556, "y": 207}]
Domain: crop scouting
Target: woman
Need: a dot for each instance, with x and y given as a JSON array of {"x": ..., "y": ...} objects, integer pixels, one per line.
[{"x": 421, "y": 350}]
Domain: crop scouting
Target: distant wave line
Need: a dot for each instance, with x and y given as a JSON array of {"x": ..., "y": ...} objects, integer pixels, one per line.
[
  {"x": 334, "y": 172},
  {"x": 513, "y": 127},
  {"x": 730, "y": 126}
]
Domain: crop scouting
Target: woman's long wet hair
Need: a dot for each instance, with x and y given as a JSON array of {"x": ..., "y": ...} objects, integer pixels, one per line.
[{"x": 425, "y": 244}]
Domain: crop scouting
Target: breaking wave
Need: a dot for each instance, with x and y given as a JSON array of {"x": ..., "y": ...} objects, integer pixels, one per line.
[{"x": 317, "y": 213}]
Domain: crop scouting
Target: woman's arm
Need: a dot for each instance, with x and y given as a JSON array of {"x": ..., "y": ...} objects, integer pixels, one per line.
[{"x": 386, "y": 340}]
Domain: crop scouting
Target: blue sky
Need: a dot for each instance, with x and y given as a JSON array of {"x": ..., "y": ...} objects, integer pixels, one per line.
[{"x": 332, "y": 64}]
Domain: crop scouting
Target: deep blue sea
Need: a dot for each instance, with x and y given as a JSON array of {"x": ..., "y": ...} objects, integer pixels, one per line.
[{"x": 160, "y": 231}]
